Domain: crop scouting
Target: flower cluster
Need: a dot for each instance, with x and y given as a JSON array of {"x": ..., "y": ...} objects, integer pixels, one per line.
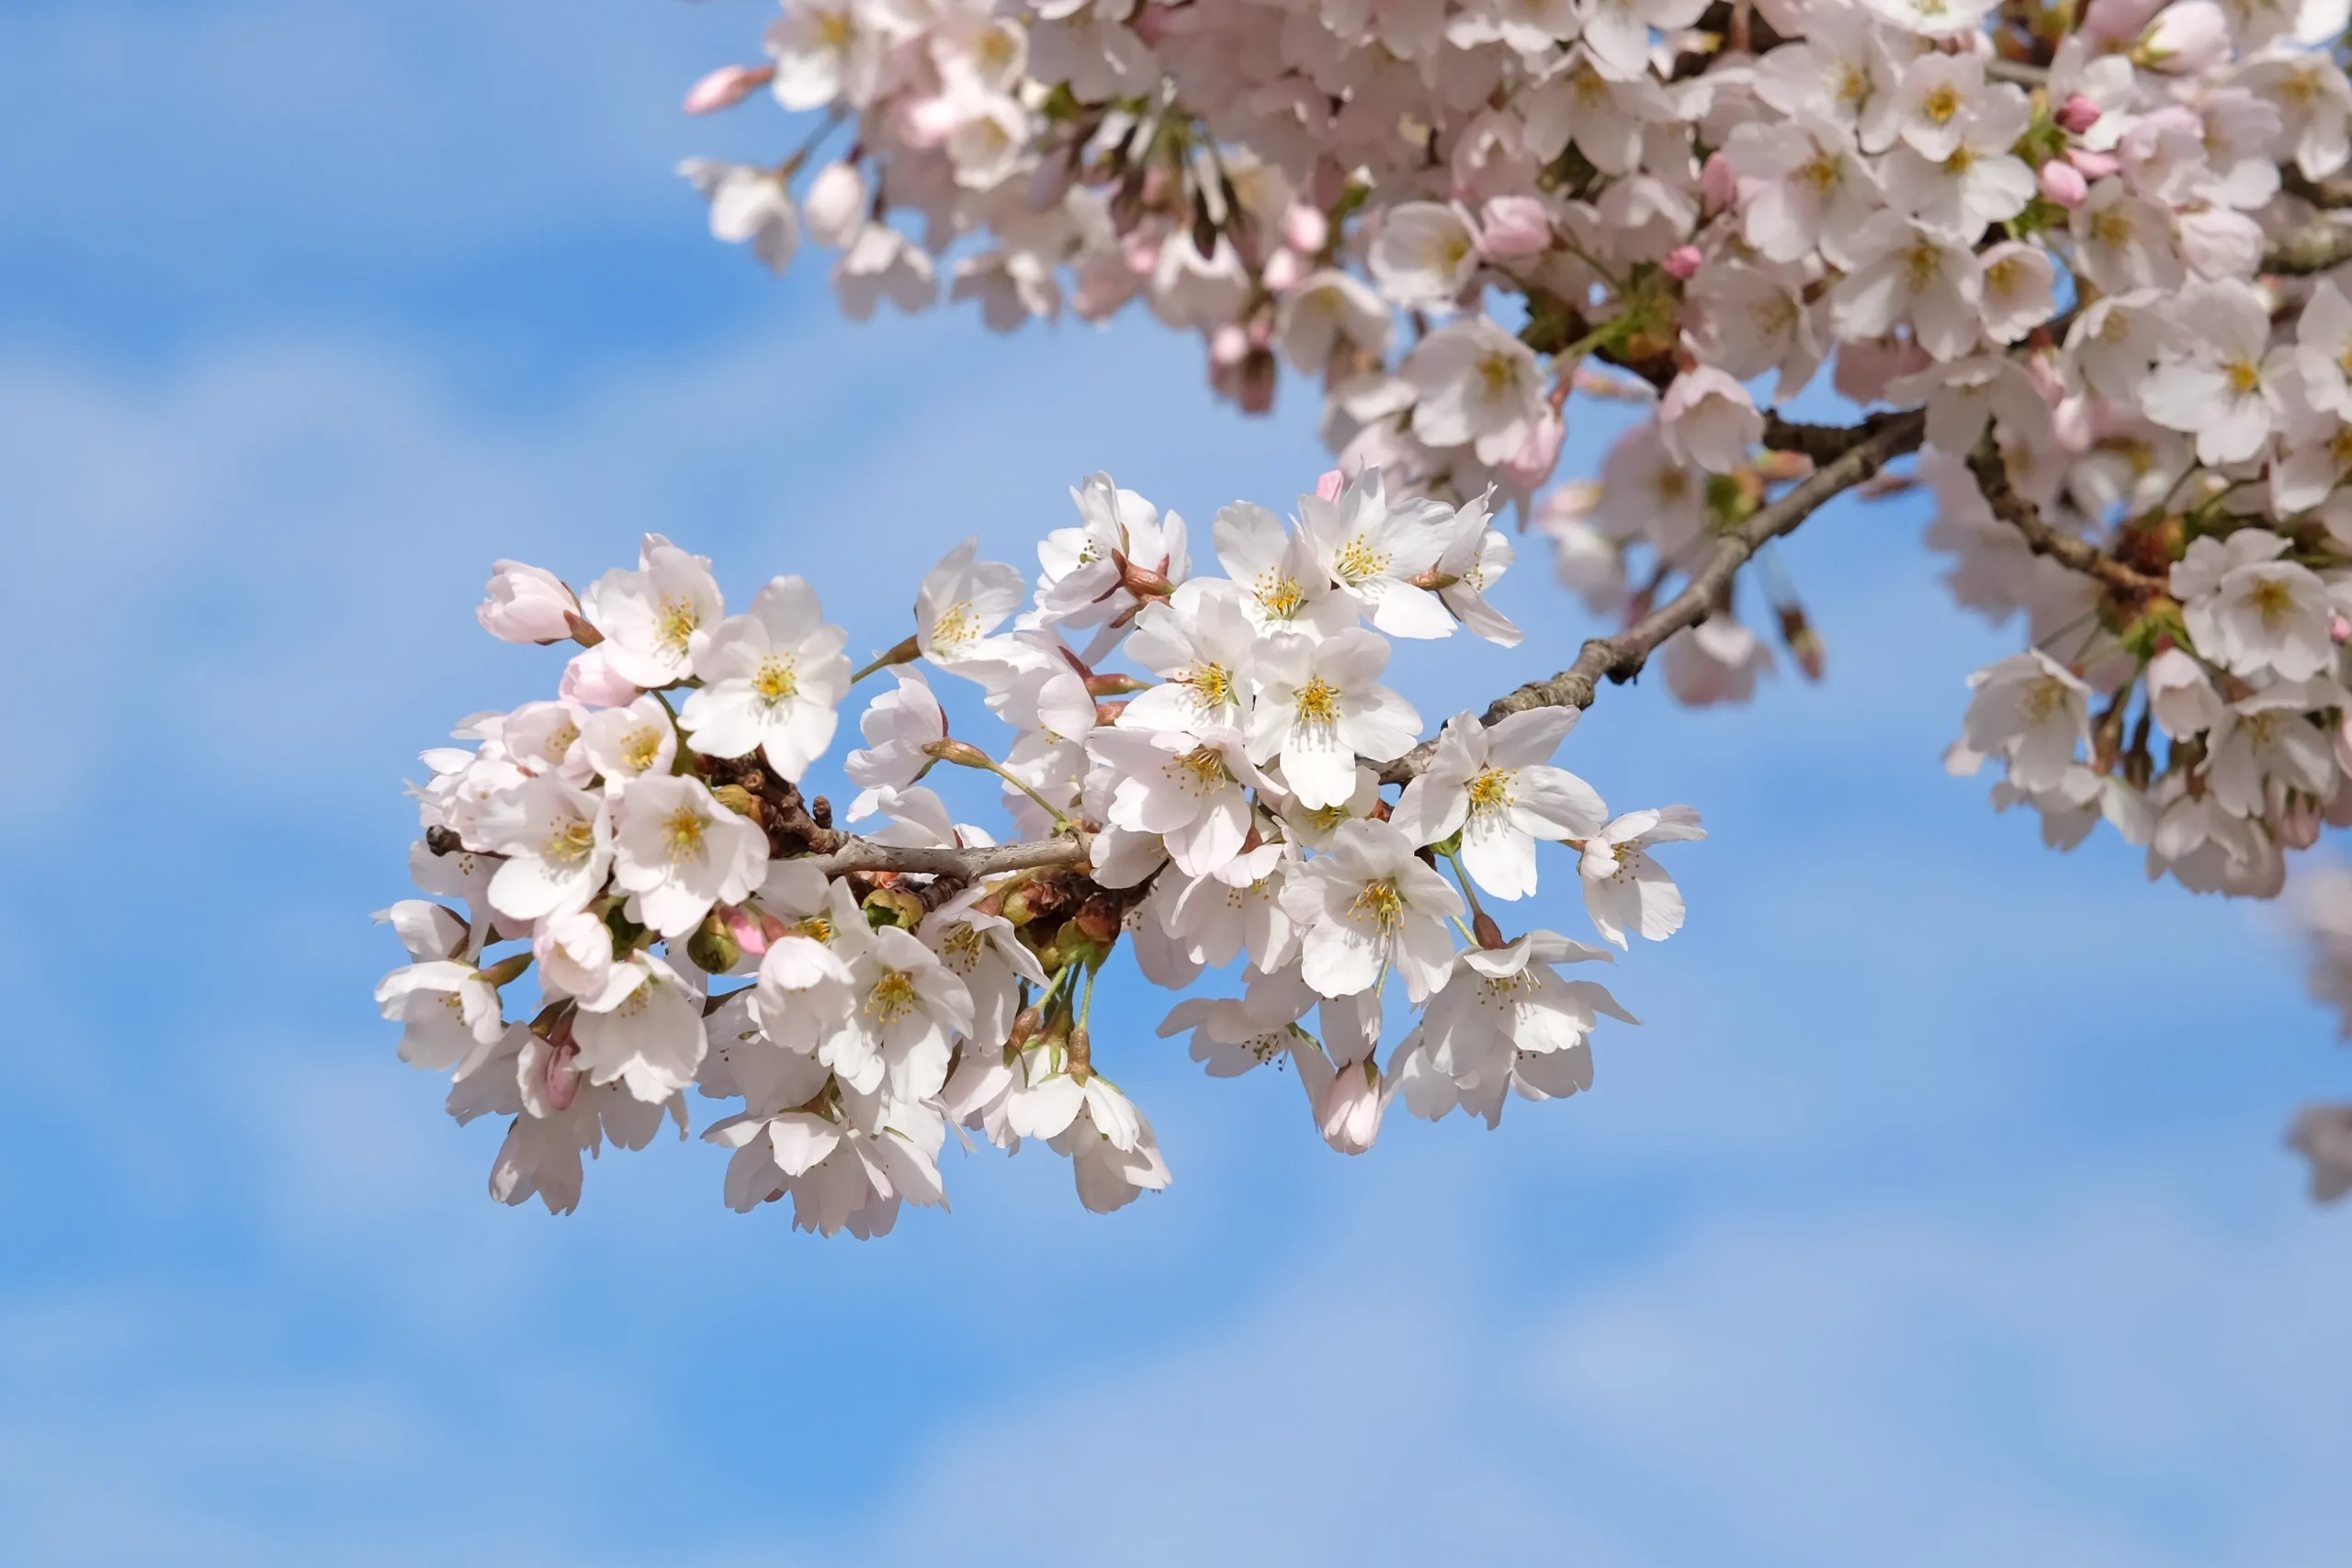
[
  {"x": 2089, "y": 257},
  {"x": 638, "y": 847}
]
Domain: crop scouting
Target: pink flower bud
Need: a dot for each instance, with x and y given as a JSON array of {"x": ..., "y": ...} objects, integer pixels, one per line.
[
  {"x": 1683, "y": 261},
  {"x": 588, "y": 679},
  {"x": 2063, "y": 184},
  {"x": 1285, "y": 269},
  {"x": 2077, "y": 114},
  {"x": 527, "y": 604},
  {"x": 2094, "y": 165},
  {"x": 2339, "y": 628},
  {"x": 727, "y": 86},
  {"x": 2184, "y": 40},
  {"x": 1305, "y": 228},
  {"x": 1717, "y": 183},
  {"x": 1332, "y": 481},
  {"x": 1514, "y": 226},
  {"x": 563, "y": 1076},
  {"x": 2298, "y": 826},
  {"x": 835, "y": 209},
  {"x": 1228, "y": 346},
  {"x": 749, "y": 930},
  {"x": 1540, "y": 453}
]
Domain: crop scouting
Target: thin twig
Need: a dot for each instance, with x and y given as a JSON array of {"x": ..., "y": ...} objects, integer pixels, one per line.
[
  {"x": 1867, "y": 447},
  {"x": 1843, "y": 456},
  {"x": 1993, "y": 482}
]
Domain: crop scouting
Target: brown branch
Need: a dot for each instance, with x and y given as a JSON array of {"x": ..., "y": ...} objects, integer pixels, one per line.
[
  {"x": 1863, "y": 449},
  {"x": 2335, "y": 190},
  {"x": 2320, "y": 245},
  {"x": 967, "y": 865},
  {"x": 1844, "y": 457},
  {"x": 1993, "y": 482}
]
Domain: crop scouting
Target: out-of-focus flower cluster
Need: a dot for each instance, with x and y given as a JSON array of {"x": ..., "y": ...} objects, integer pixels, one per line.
[{"x": 627, "y": 896}]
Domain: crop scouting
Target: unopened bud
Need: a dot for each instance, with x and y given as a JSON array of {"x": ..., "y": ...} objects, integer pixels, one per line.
[
  {"x": 963, "y": 753},
  {"x": 1115, "y": 685},
  {"x": 1511, "y": 226},
  {"x": 2077, "y": 114},
  {"x": 1305, "y": 228},
  {"x": 738, "y": 799},
  {"x": 1489, "y": 935},
  {"x": 1683, "y": 261},
  {"x": 1285, "y": 270},
  {"x": 835, "y": 207},
  {"x": 1717, "y": 183},
  {"x": 727, "y": 86},
  {"x": 2062, "y": 183},
  {"x": 563, "y": 1075},
  {"x": 713, "y": 946},
  {"x": 2094, "y": 165},
  {"x": 527, "y": 603},
  {"x": 2338, "y": 628},
  {"x": 1025, "y": 1026},
  {"x": 1229, "y": 346}
]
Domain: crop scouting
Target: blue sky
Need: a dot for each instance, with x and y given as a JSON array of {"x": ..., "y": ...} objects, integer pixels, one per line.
[{"x": 1936, "y": 1214}]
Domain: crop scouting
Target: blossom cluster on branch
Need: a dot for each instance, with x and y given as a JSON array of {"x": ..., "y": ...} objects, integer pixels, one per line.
[
  {"x": 1193, "y": 769},
  {"x": 2089, "y": 245}
]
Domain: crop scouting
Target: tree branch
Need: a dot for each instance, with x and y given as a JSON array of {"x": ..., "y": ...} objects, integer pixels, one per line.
[
  {"x": 1993, "y": 482},
  {"x": 967, "y": 865},
  {"x": 1844, "y": 457},
  {"x": 1862, "y": 451},
  {"x": 2320, "y": 245}
]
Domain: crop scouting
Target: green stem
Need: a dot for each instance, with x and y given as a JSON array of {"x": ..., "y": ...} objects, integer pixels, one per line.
[{"x": 903, "y": 653}]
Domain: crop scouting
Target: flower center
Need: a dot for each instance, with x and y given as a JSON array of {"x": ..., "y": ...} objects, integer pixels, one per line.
[
  {"x": 1825, "y": 171},
  {"x": 675, "y": 622},
  {"x": 1921, "y": 262},
  {"x": 776, "y": 681},
  {"x": 2244, "y": 376},
  {"x": 2272, "y": 599},
  {"x": 1357, "y": 560},
  {"x": 1279, "y": 593},
  {"x": 1201, "y": 770},
  {"x": 569, "y": 842},
  {"x": 962, "y": 949},
  {"x": 640, "y": 749},
  {"x": 682, "y": 834},
  {"x": 892, "y": 999},
  {"x": 1499, "y": 373},
  {"x": 1942, "y": 103},
  {"x": 2044, "y": 697},
  {"x": 1318, "y": 702},
  {"x": 1211, "y": 685},
  {"x": 1381, "y": 904},
  {"x": 1490, "y": 791},
  {"x": 955, "y": 626}
]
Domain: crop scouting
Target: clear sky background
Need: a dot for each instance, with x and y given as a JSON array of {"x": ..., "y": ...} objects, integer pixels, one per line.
[{"x": 1937, "y": 1215}]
